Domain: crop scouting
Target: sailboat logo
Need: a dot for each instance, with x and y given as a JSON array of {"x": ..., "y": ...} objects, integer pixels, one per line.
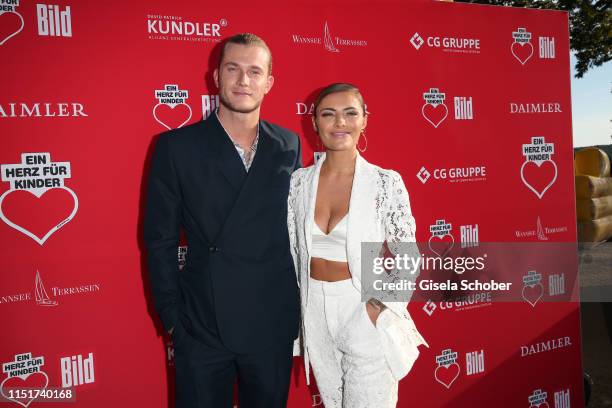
[
  {"x": 42, "y": 298},
  {"x": 327, "y": 40},
  {"x": 540, "y": 231}
]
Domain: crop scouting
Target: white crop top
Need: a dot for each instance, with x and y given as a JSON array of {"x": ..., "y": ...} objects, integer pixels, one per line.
[{"x": 332, "y": 246}]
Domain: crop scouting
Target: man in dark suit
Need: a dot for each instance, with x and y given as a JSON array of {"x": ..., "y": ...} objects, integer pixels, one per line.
[{"x": 233, "y": 310}]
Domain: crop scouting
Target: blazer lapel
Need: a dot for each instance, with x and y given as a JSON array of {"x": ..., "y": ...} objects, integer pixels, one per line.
[
  {"x": 361, "y": 198},
  {"x": 311, "y": 194},
  {"x": 259, "y": 169},
  {"x": 228, "y": 160}
]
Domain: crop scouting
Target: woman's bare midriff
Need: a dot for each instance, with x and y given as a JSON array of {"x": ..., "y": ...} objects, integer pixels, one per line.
[{"x": 329, "y": 271}]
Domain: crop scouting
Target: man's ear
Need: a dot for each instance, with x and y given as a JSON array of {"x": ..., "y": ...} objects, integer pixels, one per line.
[
  {"x": 269, "y": 83},
  {"x": 216, "y": 77}
]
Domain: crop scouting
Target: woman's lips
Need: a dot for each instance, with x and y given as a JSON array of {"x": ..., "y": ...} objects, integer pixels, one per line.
[{"x": 340, "y": 134}]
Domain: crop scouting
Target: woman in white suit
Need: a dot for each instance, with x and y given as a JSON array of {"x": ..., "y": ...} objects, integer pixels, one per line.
[{"x": 358, "y": 350}]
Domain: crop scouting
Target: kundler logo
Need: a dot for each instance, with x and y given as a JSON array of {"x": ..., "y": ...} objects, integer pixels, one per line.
[
  {"x": 176, "y": 28},
  {"x": 330, "y": 42}
]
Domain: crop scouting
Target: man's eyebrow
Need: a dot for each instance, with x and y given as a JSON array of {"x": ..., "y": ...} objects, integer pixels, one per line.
[{"x": 347, "y": 108}]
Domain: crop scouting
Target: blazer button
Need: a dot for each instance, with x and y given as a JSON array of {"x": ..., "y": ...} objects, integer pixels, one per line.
[{"x": 213, "y": 249}]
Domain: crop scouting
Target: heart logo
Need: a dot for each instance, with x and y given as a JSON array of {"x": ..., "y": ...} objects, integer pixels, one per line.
[
  {"x": 441, "y": 245},
  {"x": 446, "y": 375},
  {"x": 40, "y": 236},
  {"x": 541, "y": 177},
  {"x": 37, "y": 380},
  {"x": 532, "y": 294},
  {"x": 522, "y": 51},
  {"x": 11, "y": 24},
  {"x": 434, "y": 114},
  {"x": 173, "y": 116}
]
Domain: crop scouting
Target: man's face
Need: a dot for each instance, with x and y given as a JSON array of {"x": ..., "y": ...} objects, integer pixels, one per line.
[{"x": 243, "y": 78}]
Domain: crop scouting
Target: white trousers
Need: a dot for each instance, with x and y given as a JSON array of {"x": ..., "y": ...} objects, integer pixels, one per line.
[{"x": 345, "y": 349}]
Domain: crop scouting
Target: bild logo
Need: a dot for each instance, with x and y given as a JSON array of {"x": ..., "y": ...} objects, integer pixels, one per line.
[
  {"x": 435, "y": 110},
  {"x": 448, "y": 369},
  {"x": 23, "y": 372},
  {"x": 475, "y": 362},
  {"x": 562, "y": 399},
  {"x": 538, "y": 171},
  {"x": 441, "y": 241},
  {"x": 537, "y": 399},
  {"x": 210, "y": 103},
  {"x": 532, "y": 288},
  {"x": 52, "y": 21},
  {"x": 11, "y": 22},
  {"x": 37, "y": 197},
  {"x": 521, "y": 47},
  {"x": 77, "y": 370},
  {"x": 172, "y": 110}
]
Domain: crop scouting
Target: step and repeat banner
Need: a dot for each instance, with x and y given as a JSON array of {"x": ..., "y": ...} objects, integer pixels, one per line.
[{"x": 471, "y": 104}]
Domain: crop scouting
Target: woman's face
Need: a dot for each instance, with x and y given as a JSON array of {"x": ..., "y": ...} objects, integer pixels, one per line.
[{"x": 339, "y": 121}]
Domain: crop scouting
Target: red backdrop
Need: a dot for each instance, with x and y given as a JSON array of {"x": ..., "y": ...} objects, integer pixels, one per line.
[{"x": 454, "y": 93}]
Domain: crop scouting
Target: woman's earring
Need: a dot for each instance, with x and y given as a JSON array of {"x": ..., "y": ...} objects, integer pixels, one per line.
[{"x": 363, "y": 135}]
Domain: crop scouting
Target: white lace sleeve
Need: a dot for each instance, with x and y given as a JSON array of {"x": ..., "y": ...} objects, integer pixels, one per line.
[
  {"x": 291, "y": 225},
  {"x": 400, "y": 235},
  {"x": 293, "y": 245}
]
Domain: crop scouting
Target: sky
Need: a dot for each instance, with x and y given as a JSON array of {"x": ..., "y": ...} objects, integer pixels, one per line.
[{"x": 592, "y": 105}]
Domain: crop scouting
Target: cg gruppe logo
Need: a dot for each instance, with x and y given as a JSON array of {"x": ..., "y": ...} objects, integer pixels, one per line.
[
  {"x": 446, "y": 44},
  {"x": 453, "y": 174}
]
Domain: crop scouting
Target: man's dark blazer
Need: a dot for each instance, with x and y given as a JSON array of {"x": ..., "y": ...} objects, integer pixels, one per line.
[{"x": 238, "y": 285}]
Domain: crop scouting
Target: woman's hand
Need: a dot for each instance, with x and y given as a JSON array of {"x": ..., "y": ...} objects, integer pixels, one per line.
[{"x": 374, "y": 309}]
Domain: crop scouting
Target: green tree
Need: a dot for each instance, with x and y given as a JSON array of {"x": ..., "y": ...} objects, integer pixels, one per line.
[{"x": 590, "y": 27}]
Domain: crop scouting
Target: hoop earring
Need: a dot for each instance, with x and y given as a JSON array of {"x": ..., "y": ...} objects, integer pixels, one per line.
[{"x": 366, "y": 142}]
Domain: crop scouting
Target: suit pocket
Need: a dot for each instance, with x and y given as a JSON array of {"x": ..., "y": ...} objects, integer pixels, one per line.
[
  {"x": 400, "y": 341},
  {"x": 178, "y": 334}
]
